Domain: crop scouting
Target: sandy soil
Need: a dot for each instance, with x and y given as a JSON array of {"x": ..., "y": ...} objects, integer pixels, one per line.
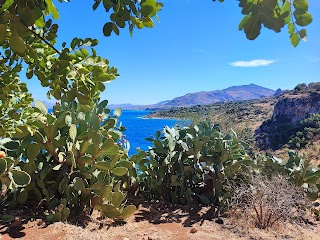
[{"x": 158, "y": 221}]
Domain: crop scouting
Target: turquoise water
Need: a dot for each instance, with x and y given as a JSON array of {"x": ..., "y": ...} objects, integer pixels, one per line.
[{"x": 139, "y": 128}]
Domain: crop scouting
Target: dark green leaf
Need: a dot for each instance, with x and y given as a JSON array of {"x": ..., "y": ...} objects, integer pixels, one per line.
[
  {"x": 119, "y": 171},
  {"x": 286, "y": 7},
  {"x": 104, "y": 166},
  {"x": 301, "y": 5},
  {"x": 20, "y": 178},
  {"x": 17, "y": 44},
  {"x": 252, "y": 27},
  {"x": 107, "y": 29},
  {"x": 291, "y": 28},
  {"x": 78, "y": 184},
  {"x": 303, "y": 34},
  {"x": 243, "y": 21},
  {"x": 3, "y": 165},
  {"x": 294, "y": 38},
  {"x": 304, "y": 19}
]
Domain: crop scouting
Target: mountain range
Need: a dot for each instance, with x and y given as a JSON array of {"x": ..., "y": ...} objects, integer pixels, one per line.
[
  {"x": 244, "y": 92},
  {"x": 234, "y": 93}
]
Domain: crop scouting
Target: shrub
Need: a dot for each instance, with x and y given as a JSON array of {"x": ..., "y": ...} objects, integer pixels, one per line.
[
  {"x": 314, "y": 85},
  {"x": 300, "y": 88},
  {"x": 75, "y": 160},
  {"x": 268, "y": 200},
  {"x": 192, "y": 164},
  {"x": 298, "y": 171},
  {"x": 309, "y": 130}
]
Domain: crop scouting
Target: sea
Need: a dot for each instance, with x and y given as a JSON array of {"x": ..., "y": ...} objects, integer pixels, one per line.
[{"x": 139, "y": 127}]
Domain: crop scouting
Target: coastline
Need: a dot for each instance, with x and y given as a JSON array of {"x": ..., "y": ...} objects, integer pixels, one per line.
[{"x": 152, "y": 116}]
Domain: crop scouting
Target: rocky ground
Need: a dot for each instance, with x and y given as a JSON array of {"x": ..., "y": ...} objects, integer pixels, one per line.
[{"x": 159, "y": 221}]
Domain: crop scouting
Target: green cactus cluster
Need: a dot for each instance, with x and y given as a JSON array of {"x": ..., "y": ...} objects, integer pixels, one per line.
[
  {"x": 12, "y": 177},
  {"x": 192, "y": 164},
  {"x": 298, "y": 170},
  {"x": 201, "y": 164},
  {"x": 74, "y": 160}
]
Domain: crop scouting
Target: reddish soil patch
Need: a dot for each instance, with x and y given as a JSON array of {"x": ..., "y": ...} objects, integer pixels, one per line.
[{"x": 158, "y": 221}]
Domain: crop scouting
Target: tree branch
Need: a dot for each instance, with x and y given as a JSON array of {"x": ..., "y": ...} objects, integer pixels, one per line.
[{"x": 44, "y": 40}]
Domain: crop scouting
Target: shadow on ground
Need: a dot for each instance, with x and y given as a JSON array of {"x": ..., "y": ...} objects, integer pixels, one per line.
[{"x": 161, "y": 212}]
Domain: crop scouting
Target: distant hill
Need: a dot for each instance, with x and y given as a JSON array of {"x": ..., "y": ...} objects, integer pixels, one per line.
[
  {"x": 234, "y": 93},
  {"x": 162, "y": 103}
]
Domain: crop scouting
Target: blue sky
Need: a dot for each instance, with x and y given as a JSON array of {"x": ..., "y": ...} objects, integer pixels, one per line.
[{"x": 196, "y": 47}]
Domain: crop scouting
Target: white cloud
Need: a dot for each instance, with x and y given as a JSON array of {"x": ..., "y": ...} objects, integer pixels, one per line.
[{"x": 253, "y": 63}]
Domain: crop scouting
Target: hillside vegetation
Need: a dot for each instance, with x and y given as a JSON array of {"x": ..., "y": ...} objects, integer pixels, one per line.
[
  {"x": 288, "y": 120},
  {"x": 242, "y": 116}
]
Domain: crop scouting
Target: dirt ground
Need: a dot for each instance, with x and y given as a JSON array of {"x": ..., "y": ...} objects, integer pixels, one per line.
[{"x": 158, "y": 221}]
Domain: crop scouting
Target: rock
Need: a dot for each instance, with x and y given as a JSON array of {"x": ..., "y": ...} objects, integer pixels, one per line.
[
  {"x": 193, "y": 230},
  {"x": 278, "y": 92},
  {"x": 17, "y": 222},
  {"x": 288, "y": 112},
  {"x": 219, "y": 221},
  {"x": 41, "y": 223}
]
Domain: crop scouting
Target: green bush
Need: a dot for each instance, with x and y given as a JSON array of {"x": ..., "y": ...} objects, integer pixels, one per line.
[
  {"x": 299, "y": 171},
  {"x": 301, "y": 87},
  {"x": 75, "y": 160},
  {"x": 309, "y": 131},
  {"x": 192, "y": 164}
]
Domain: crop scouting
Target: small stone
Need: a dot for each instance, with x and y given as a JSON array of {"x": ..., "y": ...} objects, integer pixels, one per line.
[
  {"x": 17, "y": 222},
  {"x": 219, "y": 221},
  {"x": 193, "y": 230},
  {"x": 125, "y": 238},
  {"x": 39, "y": 222}
]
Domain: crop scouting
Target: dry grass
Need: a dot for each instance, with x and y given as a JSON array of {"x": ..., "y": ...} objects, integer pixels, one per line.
[{"x": 265, "y": 201}]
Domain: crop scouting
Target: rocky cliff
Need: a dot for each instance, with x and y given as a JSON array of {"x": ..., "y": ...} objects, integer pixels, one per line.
[
  {"x": 288, "y": 112},
  {"x": 297, "y": 107}
]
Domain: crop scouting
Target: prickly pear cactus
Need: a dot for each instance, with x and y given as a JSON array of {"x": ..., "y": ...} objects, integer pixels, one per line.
[
  {"x": 76, "y": 160},
  {"x": 298, "y": 170},
  {"x": 191, "y": 164},
  {"x": 12, "y": 177}
]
